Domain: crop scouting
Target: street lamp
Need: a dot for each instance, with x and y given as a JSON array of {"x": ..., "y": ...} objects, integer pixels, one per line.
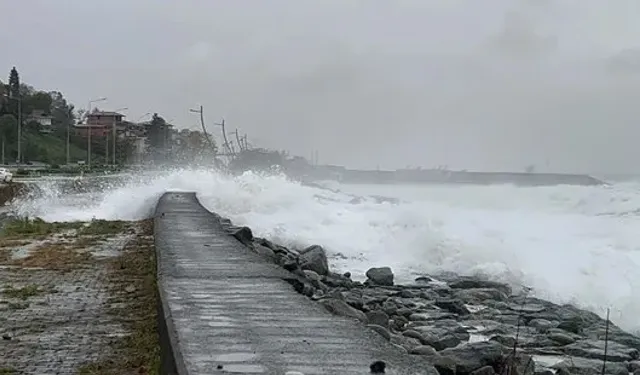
[
  {"x": 113, "y": 153},
  {"x": 19, "y": 100},
  {"x": 89, "y": 129}
]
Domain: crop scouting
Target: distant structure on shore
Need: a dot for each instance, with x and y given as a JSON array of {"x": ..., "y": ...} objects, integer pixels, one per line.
[{"x": 299, "y": 168}]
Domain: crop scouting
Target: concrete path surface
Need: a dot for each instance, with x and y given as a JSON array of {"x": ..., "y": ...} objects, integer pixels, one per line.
[{"x": 229, "y": 311}]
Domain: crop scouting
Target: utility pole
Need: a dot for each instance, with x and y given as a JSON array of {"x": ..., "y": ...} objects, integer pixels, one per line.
[
  {"x": 106, "y": 149},
  {"x": 68, "y": 136},
  {"x": 204, "y": 129},
  {"x": 19, "y": 130},
  {"x": 238, "y": 140},
  {"x": 224, "y": 135},
  {"x": 113, "y": 143}
]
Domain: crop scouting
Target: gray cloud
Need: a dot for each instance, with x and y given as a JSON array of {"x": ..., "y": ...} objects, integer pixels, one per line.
[{"x": 495, "y": 84}]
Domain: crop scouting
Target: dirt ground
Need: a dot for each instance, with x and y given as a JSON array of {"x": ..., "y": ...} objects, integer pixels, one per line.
[{"x": 78, "y": 298}]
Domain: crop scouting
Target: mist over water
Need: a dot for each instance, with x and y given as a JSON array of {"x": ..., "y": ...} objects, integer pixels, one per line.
[{"x": 571, "y": 244}]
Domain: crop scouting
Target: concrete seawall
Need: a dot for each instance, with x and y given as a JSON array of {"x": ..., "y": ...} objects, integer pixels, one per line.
[{"x": 228, "y": 310}]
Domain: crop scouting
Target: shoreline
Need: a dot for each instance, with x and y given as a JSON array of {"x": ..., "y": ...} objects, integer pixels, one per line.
[{"x": 458, "y": 320}]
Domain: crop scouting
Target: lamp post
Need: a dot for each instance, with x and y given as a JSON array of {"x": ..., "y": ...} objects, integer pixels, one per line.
[
  {"x": 113, "y": 153},
  {"x": 69, "y": 116},
  {"x": 89, "y": 129}
]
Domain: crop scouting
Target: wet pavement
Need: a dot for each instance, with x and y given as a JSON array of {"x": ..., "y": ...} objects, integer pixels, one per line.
[{"x": 231, "y": 312}]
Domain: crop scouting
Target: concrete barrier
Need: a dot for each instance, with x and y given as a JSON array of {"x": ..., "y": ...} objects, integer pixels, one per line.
[{"x": 227, "y": 310}]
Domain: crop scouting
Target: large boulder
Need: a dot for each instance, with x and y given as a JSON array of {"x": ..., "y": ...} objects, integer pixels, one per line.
[
  {"x": 314, "y": 258},
  {"x": 380, "y": 276}
]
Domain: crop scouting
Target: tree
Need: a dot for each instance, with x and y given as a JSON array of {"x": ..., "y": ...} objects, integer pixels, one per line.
[
  {"x": 36, "y": 100},
  {"x": 3, "y": 99},
  {"x": 61, "y": 111},
  {"x": 8, "y": 128},
  {"x": 157, "y": 138},
  {"x": 14, "y": 83},
  {"x": 13, "y": 91}
]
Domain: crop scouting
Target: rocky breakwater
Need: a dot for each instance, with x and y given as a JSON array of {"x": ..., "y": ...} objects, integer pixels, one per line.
[{"x": 462, "y": 325}]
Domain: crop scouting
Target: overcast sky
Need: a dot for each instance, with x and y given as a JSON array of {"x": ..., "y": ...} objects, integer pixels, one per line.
[{"x": 484, "y": 85}]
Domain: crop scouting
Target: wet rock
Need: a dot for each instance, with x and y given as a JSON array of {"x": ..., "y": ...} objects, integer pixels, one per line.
[
  {"x": 341, "y": 308},
  {"x": 380, "y": 276},
  {"x": 472, "y": 356},
  {"x": 407, "y": 343},
  {"x": 474, "y": 283},
  {"x": 583, "y": 366},
  {"x": 315, "y": 280},
  {"x": 444, "y": 365},
  {"x": 389, "y": 307},
  {"x": 480, "y": 295},
  {"x": 542, "y": 325},
  {"x": 314, "y": 258},
  {"x": 423, "y": 350},
  {"x": 486, "y": 370},
  {"x": 242, "y": 234},
  {"x": 431, "y": 315},
  {"x": 521, "y": 364},
  {"x": 594, "y": 349},
  {"x": 288, "y": 262},
  {"x": 453, "y": 305},
  {"x": 560, "y": 338},
  {"x": 378, "y": 317},
  {"x": 380, "y": 330},
  {"x": 264, "y": 251},
  {"x": 415, "y": 335},
  {"x": 354, "y": 301}
]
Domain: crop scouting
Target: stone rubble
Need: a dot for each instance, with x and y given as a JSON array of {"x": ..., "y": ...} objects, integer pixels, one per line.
[{"x": 463, "y": 325}]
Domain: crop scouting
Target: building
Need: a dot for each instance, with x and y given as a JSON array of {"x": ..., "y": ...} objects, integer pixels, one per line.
[
  {"x": 42, "y": 118},
  {"x": 100, "y": 124}
]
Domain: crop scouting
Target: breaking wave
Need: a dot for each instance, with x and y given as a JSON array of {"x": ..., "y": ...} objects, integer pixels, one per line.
[{"x": 570, "y": 244}]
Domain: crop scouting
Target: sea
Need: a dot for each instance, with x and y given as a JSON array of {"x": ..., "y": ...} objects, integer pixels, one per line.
[{"x": 569, "y": 244}]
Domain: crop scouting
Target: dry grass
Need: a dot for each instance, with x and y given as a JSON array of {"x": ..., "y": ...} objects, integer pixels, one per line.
[
  {"x": 13, "y": 243},
  {"x": 22, "y": 293},
  {"x": 139, "y": 352},
  {"x": 54, "y": 256},
  {"x": 65, "y": 247},
  {"x": 5, "y": 255},
  {"x": 22, "y": 228}
]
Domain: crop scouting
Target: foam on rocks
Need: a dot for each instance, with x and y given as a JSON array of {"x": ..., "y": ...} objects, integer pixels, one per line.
[{"x": 462, "y": 325}]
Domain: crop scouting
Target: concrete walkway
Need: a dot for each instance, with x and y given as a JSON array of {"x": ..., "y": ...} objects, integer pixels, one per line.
[{"x": 229, "y": 311}]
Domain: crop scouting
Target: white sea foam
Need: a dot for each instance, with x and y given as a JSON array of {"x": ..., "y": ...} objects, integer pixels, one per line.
[{"x": 571, "y": 244}]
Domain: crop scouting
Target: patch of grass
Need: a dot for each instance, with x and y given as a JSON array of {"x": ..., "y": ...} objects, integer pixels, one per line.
[
  {"x": 104, "y": 227},
  {"x": 22, "y": 293},
  {"x": 7, "y": 370},
  {"x": 17, "y": 306},
  {"x": 85, "y": 242},
  {"x": 5, "y": 255},
  {"x": 13, "y": 243},
  {"x": 54, "y": 256},
  {"x": 30, "y": 228},
  {"x": 138, "y": 352}
]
